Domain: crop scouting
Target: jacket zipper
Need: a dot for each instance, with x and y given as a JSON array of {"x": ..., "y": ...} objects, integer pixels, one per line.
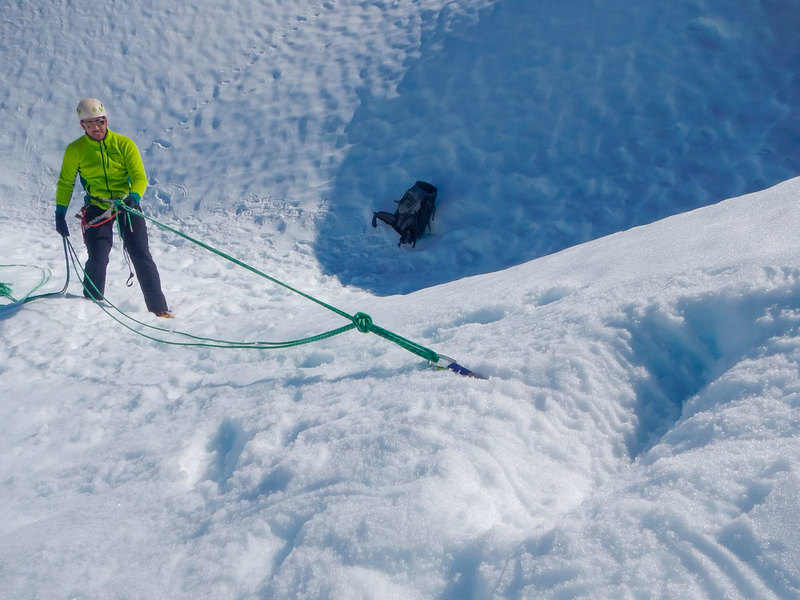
[{"x": 103, "y": 161}]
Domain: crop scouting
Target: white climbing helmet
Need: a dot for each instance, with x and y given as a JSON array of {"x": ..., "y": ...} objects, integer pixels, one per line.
[{"x": 91, "y": 108}]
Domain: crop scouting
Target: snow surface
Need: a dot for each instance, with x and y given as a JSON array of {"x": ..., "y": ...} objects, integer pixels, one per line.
[{"x": 637, "y": 436}]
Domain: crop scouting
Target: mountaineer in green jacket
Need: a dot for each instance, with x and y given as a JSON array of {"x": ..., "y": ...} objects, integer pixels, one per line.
[{"x": 110, "y": 168}]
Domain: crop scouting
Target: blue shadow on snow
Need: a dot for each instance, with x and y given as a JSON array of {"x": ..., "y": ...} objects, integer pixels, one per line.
[{"x": 546, "y": 125}]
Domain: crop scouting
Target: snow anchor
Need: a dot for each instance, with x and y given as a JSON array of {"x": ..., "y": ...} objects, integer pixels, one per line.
[{"x": 449, "y": 363}]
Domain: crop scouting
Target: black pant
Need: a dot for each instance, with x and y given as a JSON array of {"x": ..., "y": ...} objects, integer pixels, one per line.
[{"x": 99, "y": 240}]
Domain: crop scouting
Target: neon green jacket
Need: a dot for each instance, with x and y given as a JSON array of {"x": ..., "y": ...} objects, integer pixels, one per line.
[{"x": 110, "y": 168}]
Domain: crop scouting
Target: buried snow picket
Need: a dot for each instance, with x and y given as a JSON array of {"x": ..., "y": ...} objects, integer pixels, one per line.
[{"x": 451, "y": 364}]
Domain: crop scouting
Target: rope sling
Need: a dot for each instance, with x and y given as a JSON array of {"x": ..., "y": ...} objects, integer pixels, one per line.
[{"x": 360, "y": 321}]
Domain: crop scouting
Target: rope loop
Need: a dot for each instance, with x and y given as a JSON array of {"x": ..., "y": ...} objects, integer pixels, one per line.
[
  {"x": 363, "y": 322},
  {"x": 5, "y": 290}
]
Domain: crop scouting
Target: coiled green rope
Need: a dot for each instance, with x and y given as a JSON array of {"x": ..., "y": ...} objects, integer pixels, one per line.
[{"x": 5, "y": 289}]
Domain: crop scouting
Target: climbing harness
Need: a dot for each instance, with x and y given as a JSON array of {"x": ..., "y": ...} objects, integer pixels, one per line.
[
  {"x": 360, "y": 321},
  {"x": 110, "y": 214}
]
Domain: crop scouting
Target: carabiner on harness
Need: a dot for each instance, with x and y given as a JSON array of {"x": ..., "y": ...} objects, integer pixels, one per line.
[{"x": 99, "y": 220}]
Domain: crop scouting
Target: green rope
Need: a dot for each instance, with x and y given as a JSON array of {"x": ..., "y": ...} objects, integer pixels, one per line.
[
  {"x": 5, "y": 289},
  {"x": 235, "y": 261},
  {"x": 197, "y": 341},
  {"x": 364, "y": 324},
  {"x": 360, "y": 321}
]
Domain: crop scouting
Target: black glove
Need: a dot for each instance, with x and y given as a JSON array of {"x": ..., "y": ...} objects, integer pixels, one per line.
[
  {"x": 133, "y": 203},
  {"x": 61, "y": 224}
]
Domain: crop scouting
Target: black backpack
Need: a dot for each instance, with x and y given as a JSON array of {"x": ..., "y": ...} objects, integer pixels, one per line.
[{"x": 414, "y": 213}]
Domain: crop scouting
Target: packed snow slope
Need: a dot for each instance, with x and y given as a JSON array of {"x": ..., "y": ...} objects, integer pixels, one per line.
[{"x": 637, "y": 436}]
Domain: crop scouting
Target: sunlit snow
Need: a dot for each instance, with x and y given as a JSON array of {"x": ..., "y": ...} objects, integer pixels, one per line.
[{"x": 615, "y": 248}]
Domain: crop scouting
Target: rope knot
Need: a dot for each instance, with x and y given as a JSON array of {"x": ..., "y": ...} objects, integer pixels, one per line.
[{"x": 363, "y": 322}]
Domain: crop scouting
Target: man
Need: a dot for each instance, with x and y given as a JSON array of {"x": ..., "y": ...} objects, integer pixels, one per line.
[{"x": 110, "y": 168}]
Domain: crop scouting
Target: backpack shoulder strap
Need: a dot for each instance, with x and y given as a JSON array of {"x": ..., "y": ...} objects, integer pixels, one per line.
[{"x": 388, "y": 218}]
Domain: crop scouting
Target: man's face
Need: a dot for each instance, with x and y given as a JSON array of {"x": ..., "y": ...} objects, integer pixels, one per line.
[{"x": 95, "y": 128}]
